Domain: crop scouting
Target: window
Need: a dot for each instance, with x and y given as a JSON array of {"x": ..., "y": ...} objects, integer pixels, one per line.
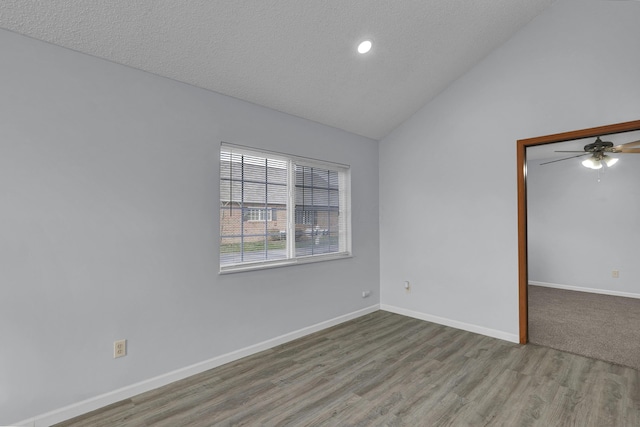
[
  {"x": 277, "y": 209},
  {"x": 258, "y": 214}
]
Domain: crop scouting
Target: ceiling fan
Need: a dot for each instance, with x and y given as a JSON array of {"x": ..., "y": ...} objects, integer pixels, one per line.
[{"x": 597, "y": 149}]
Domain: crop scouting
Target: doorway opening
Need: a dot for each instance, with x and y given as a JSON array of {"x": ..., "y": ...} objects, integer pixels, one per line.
[{"x": 523, "y": 276}]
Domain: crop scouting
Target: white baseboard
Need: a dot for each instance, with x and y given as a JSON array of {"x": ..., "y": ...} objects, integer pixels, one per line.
[
  {"x": 494, "y": 333},
  {"x": 581, "y": 289},
  {"x": 97, "y": 402}
]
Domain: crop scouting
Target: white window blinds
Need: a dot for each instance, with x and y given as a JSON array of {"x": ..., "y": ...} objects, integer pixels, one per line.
[{"x": 277, "y": 209}]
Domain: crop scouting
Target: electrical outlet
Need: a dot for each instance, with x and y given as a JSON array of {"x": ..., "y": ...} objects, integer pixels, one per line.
[
  {"x": 119, "y": 348},
  {"x": 615, "y": 274},
  {"x": 407, "y": 286}
]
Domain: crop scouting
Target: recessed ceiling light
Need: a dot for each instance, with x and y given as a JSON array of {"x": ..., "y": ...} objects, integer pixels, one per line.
[{"x": 364, "y": 47}]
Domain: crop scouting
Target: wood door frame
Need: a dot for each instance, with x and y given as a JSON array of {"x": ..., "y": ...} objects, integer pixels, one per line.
[{"x": 523, "y": 276}]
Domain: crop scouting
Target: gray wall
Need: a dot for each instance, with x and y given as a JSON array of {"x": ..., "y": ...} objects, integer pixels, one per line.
[
  {"x": 581, "y": 229},
  {"x": 448, "y": 192},
  {"x": 109, "y": 195}
]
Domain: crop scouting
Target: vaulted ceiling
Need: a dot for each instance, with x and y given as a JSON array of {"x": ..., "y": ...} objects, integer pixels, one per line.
[{"x": 294, "y": 56}]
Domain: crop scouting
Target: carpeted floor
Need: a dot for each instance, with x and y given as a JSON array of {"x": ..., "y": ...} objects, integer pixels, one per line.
[{"x": 600, "y": 326}]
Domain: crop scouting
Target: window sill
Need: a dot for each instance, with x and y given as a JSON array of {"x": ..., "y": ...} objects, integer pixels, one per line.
[{"x": 230, "y": 269}]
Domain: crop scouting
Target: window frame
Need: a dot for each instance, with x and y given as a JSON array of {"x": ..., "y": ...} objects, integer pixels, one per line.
[{"x": 344, "y": 210}]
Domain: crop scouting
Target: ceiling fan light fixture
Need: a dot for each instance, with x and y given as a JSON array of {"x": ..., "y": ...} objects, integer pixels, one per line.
[
  {"x": 609, "y": 161},
  {"x": 592, "y": 163}
]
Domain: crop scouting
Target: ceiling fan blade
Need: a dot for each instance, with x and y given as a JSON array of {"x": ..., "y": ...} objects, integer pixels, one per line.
[
  {"x": 629, "y": 147},
  {"x": 577, "y": 151},
  {"x": 566, "y": 158}
]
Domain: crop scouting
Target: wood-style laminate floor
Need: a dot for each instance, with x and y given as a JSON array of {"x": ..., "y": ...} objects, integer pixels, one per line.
[{"x": 384, "y": 369}]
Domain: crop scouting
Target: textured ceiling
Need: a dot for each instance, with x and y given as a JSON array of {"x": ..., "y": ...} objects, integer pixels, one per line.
[{"x": 294, "y": 56}]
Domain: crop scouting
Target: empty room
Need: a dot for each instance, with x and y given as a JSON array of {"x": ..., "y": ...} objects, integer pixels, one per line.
[{"x": 302, "y": 213}]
